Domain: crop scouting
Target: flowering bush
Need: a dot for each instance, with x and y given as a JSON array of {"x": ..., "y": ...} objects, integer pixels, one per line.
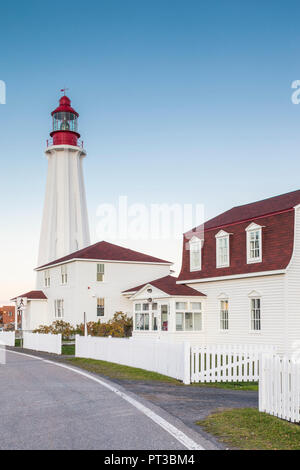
[
  {"x": 58, "y": 326},
  {"x": 120, "y": 326}
]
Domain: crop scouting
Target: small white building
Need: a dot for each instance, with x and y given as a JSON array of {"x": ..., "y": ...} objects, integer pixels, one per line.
[
  {"x": 89, "y": 281},
  {"x": 167, "y": 310}
]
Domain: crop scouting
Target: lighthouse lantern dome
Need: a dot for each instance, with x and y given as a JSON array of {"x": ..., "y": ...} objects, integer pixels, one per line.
[{"x": 65, "y": 123}]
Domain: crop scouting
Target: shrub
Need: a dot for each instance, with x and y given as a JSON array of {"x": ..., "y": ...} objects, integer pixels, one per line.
[
  {"x": 120, "y": 326},
  {"x": 58, "y": 326}
]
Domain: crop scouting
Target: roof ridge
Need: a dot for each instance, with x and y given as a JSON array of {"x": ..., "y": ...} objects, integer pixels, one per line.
[
  {"x": 252, "y": 210},
  {"x": 132, "y": 255}
]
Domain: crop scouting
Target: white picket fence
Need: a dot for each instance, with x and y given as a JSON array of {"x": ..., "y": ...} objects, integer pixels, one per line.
[
  {"x": 226, "y": 363},
  {"x": 171, "y": 359},
  {"x": 42, "y": 342},
  {"x": 279, "y": 387},
  {"x": 7, "y": 338}
]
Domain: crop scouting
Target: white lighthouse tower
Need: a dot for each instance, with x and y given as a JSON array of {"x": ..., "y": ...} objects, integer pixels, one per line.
[{"x": 65, "y": 227}]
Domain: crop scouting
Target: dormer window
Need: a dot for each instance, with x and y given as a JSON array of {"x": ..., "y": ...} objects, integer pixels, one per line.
[
  {"x": 254, "y": 243},
  {"x": 222, "y": 249},
  {"x": 195, "y": 254}
]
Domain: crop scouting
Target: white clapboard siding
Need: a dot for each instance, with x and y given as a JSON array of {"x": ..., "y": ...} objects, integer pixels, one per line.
[
  {"x": 226, "y": 362},
  {"x": 271, "y": 291},
  {"x": 7, "y": 338},
  {"x": 171, "y": 359},
  {"x": 292, "y": 294},
  {"x": 42, "y": 342},
  {"x": 279, "y": 387}
]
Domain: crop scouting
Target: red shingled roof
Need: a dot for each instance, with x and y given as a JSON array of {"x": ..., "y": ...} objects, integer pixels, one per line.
[
  {"x": 256, "y": 209},
  {"x": 107, "y": 252},
  {"x": 168, "y": 285},
  {"x": 275, "y": 214},
  {"x": 33, "y": 295}
]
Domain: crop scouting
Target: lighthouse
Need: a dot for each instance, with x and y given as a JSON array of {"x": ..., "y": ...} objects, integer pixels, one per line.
[{"x": 65, "y": 227}]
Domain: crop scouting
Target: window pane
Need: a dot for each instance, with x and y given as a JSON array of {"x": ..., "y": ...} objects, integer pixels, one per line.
[
  {"x": 154, "y": 322},
  {"x": 195, "y": 255},
  {"x": 181, "y": 305},
  {"x": 164, "y": 321},
  {"x": 255, "y": 315},
  {"x": 145, "y": 307},
  {"x": 197, "y": 321},
  {"x": 100, "y": 268},
  {"x": 254, "y": 244},
  {"x": 100, "y": 272},
  {"x": 222, "y": 251},
  {"x": 137, "y": 307},
  {"x": 188, "y": 321},
  {"x": 154, "y": 306},
  {"x": 100, "y": 307},
  {"x": 138, "y": 321},
  {"x": 196, "y": 305},
  {"x": 179, "y": 321}
]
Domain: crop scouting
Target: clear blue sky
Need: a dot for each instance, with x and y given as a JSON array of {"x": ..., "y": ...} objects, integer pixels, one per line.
[{"x": 179, "y": 101}]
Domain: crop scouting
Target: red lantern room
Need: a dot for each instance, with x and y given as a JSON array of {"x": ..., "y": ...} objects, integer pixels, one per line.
[{"x": 65, "y": 123}]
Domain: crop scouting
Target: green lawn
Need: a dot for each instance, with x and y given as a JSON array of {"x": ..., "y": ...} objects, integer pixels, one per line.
[
  {"x": 117, "y": 371},
  {"x": 68, "y": 349},
  {"x": 247, "y": 429},
  {"x": 245, "y": 386}
]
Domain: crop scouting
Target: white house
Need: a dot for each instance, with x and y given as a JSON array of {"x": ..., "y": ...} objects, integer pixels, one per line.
[
  {"x": 89, "y": 281},
  {"x": 245, "y": 267}
]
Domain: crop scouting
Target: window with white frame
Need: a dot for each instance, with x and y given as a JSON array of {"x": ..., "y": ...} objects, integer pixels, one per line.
[
  {"x": 154, "y": 315},
  {"x": 224, "y": 315},
  {"x": 255, "y": 314},
  {"x": 254, "y": 243},
  {"x": 59, "y": 308},
  {"x": 142, "y": 316},
  {"x": 195, "y": 254},
  {"x": 100, "y": 272},
  {"x": 164, "y": 317},
  {"x": 222, "y": 249},
  {"x": 47, "y": 278},
  {"x": 100, "y": 307},
  {"x": 64, "y": 274},
  {"x": 188, "y": 316}
]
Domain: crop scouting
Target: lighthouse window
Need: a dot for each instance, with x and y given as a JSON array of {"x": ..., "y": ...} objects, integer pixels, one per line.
[{"x": 65, "y": 121}]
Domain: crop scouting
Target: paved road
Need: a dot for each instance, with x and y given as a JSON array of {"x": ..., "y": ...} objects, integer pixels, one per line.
[
  {"x": 44, "y": 406},
  {"x": 192, "y": 403}
]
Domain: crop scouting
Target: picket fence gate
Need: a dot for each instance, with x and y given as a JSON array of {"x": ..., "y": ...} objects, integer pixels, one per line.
[
  {"x": 227, "y": 363},
  {"x": 279, "y": 387}
]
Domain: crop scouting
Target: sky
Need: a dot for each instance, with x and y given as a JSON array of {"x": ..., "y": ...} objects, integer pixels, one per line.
[{"x": 184, "y": 102}]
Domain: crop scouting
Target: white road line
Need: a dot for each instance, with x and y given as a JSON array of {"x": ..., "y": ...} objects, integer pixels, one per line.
[{"x": 175, "y": 432}]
